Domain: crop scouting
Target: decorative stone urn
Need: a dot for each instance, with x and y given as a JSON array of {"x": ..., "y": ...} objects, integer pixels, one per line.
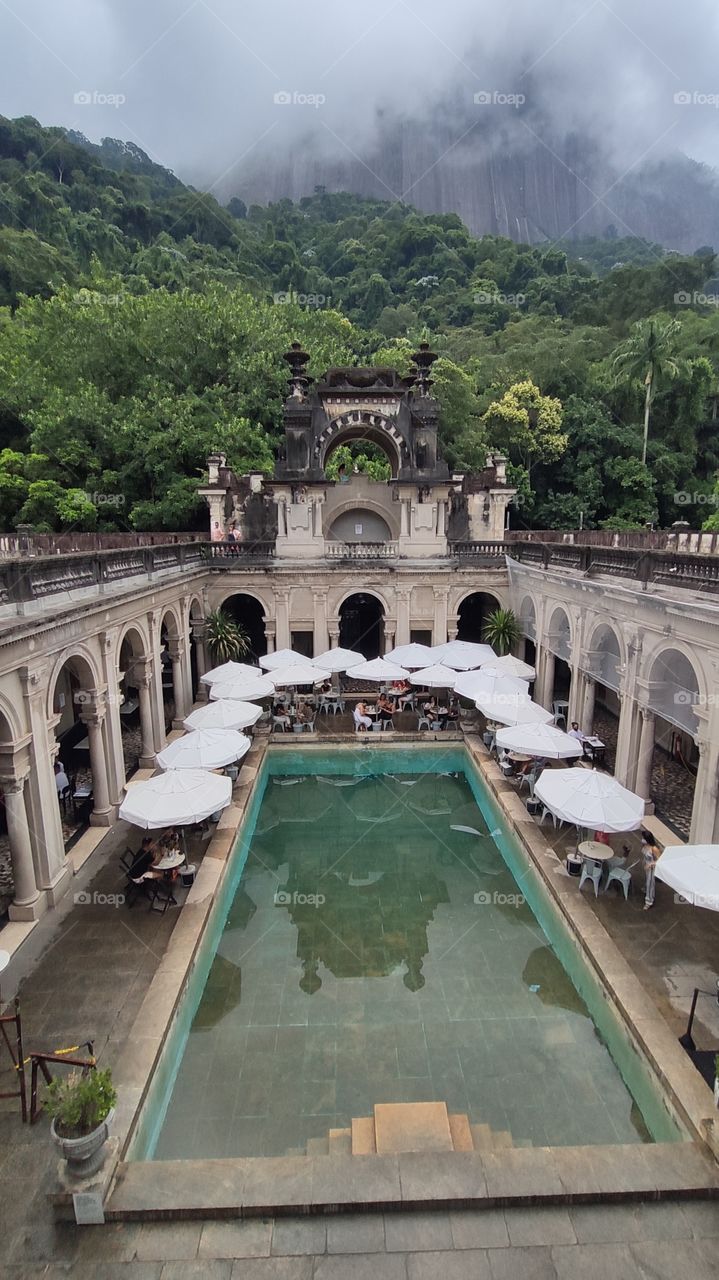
[{"x": 85, "y": 1156}]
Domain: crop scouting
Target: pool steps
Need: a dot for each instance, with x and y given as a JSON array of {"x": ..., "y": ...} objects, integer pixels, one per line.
[{"x": 409, "y": 1126}]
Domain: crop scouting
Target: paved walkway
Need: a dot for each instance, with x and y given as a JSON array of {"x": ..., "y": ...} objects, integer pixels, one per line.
[{"x": 633, "y": 1242}]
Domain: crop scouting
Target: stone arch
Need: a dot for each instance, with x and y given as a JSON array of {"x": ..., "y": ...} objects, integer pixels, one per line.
[
  {"x": 364, "y": 591},
  {"x": 10, "y": 728},
  {"x": 606, "y": 654},
  {"x": 176, "y": 629},
  {"x": 253, "y": 617},
  {"x": 195, "y": 609},
  {"x": 267, "y": 605},
  {"x": 362, "y": 616},
  {"x": 390, "y": 519},
  {"x": 83, "y": 670},
  {"x": 559, "y": 633},
  {"x": 473, "y": 609},
  {"x": 364, "y": 424},
  {"x": 527, "y": 617},
  {"x": 676, "y": 687}
]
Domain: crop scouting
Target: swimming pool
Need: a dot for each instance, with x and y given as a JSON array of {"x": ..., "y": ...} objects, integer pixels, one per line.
[{"x": 378, "y": 939}]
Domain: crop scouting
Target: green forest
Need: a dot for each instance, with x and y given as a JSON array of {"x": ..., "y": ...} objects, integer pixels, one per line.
[{"x": 142, "y": 327}]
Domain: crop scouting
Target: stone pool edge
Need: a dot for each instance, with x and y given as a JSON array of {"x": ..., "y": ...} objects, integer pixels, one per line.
[{"x": 543, "y": 1175}]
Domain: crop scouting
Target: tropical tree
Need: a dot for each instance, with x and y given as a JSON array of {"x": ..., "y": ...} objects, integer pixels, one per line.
[
  {"x": 227, "y": 639},
  {"x": 502, "y": 630},
  {"x": 648, "y": 354},
  {"x": 527, "y": 425}
]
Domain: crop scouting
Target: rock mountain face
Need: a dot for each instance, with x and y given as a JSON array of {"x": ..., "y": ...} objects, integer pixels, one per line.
[{"x": 516, "y": 186}]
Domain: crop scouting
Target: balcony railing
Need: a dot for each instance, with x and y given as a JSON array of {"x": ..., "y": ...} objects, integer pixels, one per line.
[
  {"x": 242, "y": 552},
  {"x": 477, "y": 551},
  {"x": 361, "y": 550}
]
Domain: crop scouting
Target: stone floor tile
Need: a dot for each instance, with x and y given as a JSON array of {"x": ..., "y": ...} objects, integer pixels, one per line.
[
  {"x": 272, "y": 1269},
  {"x": 467, "y": 1264},
  {"x": 665, "y": 1260},
  {"x": 206, "y": 1269},
  {"x": 168, "y": 1241},
  {"x": 355, "y": 1233},
  {"x": 524, "y": 1264},
  {"x": 413, "y": 1232},
  {"x": 299, "y": 1236},
  {"x": 249, "y": 1238},
  {"x": 545, "y": 1226},
  {"x": 479, "y": 1229},
  {"x": 703, "y": 1217},
  {"x": 598, "y": 1262},
  {"x": 375, "y": 1266}
]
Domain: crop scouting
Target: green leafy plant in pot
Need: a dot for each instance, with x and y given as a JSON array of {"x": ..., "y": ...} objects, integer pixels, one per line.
[{"x": 81, "y": 1108}]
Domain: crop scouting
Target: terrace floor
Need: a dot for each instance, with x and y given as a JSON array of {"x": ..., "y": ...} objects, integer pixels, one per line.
[{"x": 83, "y": 973}]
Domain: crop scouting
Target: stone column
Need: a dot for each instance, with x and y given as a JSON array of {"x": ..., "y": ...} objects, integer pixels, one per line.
[
  {"x": 402, "y": 599},
  {"x": 547, "y": 680},
  {"x": 270, "y": 636},
  {"x": 27, "y": 903},
  {"x": 390, "y": 629},
  {"x": 705, "y": 817},
  {"x": 282, "y": 615},
  {"x": 52, "y": 874},
  {"x": 176, "y": 649},
  {"x": 452, "y": 628},
  {"x": 144, "y": 682},
  {"x": 113, "y": 722},
  {"x": 199, "y": 631},
  {"x": 643, "y": 782},
  {"x": 92, "y": 716},
  {"x": 321, "y": 634},
  {"x": 187, "y": 655},
  {"x": 590, "y": 694},
  {"x": 441, "y": 595},
  {"x": 628, "y": 730},
  {"x": 334, "y": 631}
]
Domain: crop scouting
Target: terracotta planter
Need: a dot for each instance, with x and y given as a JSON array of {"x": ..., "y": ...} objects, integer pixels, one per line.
[{"x": 84, "y": 1155}]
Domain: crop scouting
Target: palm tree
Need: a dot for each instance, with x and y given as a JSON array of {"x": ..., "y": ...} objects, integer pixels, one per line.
[
  {"x": 502, "y": 631},
  {"x": 648, "y": 354},
  {"x": 227, "y": 639}
]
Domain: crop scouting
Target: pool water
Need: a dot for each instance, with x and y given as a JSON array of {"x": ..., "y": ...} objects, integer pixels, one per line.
[{"x": 379, "y": 949}]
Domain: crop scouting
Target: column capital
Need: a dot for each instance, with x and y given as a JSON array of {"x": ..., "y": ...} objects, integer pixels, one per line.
[
  {"x": 281, "y": 593},
  {"x": 13, "y": 784},
  {"x": 33, "y": 680},
  {"x": 176, "y": 648}
]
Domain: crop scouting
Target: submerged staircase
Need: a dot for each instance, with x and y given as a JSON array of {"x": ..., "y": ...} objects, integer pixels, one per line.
[{"x": 397, "y": 1127}]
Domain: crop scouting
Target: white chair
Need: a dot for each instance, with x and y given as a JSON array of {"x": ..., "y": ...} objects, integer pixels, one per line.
[
  {"x": 280, "y": 724},
  {"x": 591, "y": 870},
  {"x": 335, "y": 705},
  {"x": 622, "y": 873},
  {"x": 387, "y": 724},
  {"x": 547, "y": 813},
  {"x": 559, "y": 710},
  {"x": 422, "y": 720}
]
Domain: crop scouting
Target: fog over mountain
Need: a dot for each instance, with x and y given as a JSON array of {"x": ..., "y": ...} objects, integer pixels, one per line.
[{"x": 532, "y": 120}]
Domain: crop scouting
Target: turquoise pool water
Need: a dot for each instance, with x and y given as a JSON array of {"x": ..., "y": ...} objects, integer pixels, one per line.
[{"x": 381, "y": 941}]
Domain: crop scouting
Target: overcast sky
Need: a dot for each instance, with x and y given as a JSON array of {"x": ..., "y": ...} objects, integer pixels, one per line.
[{"x": 197, "y": 81}]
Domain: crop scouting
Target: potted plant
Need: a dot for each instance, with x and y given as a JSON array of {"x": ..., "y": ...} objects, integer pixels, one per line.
[
  {"x": 81, "y": 1108},
  {"x": 502, "y": 631}
]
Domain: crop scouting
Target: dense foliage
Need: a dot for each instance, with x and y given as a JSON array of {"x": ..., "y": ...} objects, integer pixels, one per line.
[{"x": 142, "y": 327}]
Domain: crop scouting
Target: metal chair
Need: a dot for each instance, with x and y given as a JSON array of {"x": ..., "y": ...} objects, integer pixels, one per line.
[
  {"x": 280, "y": 724},
  {"x": 591, "y": 870},
  {"x": 622, "y": 874},
  {"x": 548, "y": 813},
  {"x": 388, "y": 724},
  {"x": 423, "y": 720}
]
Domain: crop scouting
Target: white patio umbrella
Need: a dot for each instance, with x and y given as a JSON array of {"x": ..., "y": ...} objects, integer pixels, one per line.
[
  {"x": 177, "y": 798},
  {"x": 204, "y": 749},
  {"x": 589, "y": 799},
  {"x": 692, "y": 870},
  {"x": 477, "y": 684},
  {"x": 292, "y": 674},
  {"x": 244, "y": 690},
  {"x": 436, "y": 677},
  {"x": 338, "y": 660},
  {"x": 462, "y": 655},
  {"x": 281, "y": 656},
  {"x": 231, "y": 671},
  {"x": 510, "y": 666},
  {"x": 411, "y": 655},
  {"x": 224, "y": 715},
  {"x": 512, "y": 708},
  {"x": 379, "y": 670},
  {"x": 539, "y": 740}
]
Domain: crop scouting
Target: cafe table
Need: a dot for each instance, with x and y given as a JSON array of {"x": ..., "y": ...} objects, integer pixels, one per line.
[{"x": 596, "y": 849}]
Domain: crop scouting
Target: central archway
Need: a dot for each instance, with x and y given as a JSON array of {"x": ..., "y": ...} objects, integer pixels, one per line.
[
  {"x": 248, "y": 611},
  {"x": 472, "y": 615},
  {"x": 362, "y": 624},
  {"x": 363, "y": 424}
]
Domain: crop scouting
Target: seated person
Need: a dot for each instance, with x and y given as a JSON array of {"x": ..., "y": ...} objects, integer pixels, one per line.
[
  {"x": 170, "y": 841},
  {"x": 304, "y": 713},
  {"x": 61, "y": 779},
  {"x": 452, "y": 712},
  {"x": 601, "y": 837},
  {"x": 430, "y": 708},
  {"x": 280, "y": 713},
  {"x": 360, "y": 717},
  {"x": 326, "y": 687},
  {"x": 575, "y": 732},
  {"x": 619, "y": 859},
  {"x": 143, "y": 864},
  {"x": 385, "y": 707}
]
